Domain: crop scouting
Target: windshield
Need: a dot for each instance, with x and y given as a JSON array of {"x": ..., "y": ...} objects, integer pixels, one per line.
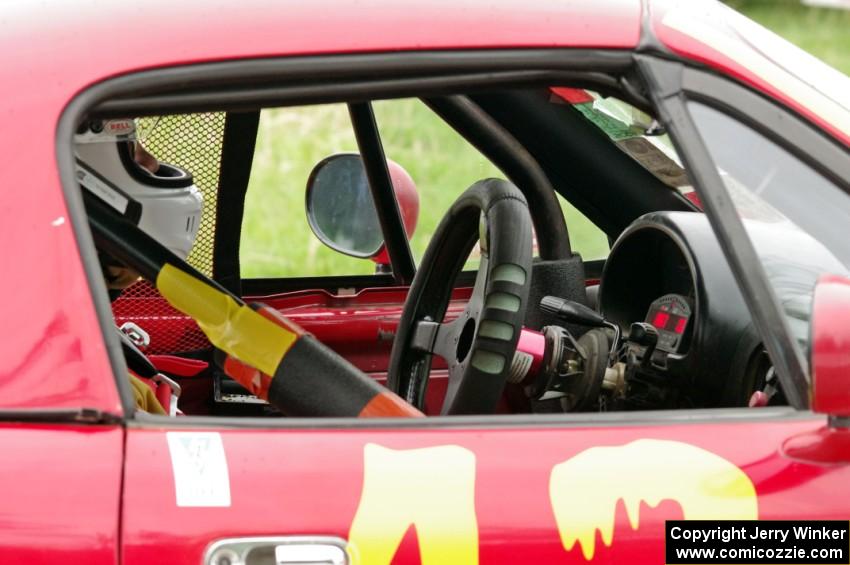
[
  {"x": 635, "y": 132},
  {"x": 795, "y": 217}
]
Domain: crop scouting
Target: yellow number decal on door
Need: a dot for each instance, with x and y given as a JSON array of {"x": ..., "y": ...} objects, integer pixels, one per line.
[
  {"x": 584, "y": 489},
  {"x": 433, "y": 489}
]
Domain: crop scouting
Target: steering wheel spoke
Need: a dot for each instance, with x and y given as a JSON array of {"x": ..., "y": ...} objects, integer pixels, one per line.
[
  {"x": 433, "y": 337},
  {"x": 479, "y": 344}
]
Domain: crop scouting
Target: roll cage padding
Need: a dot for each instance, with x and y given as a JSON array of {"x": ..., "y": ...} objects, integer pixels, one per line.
[
  {"x": 563, "y": 278},
  {"x": 582, "y": 163}
]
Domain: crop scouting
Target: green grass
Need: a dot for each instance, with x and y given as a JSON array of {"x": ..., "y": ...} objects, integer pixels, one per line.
[
  {"x": 823, "y": 32},
  {"x": 276, "y": 240}
]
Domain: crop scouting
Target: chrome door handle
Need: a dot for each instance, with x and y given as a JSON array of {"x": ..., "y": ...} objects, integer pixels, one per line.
[
  {"x": 298, "y": 554},
  {"x": 282, "y": 550}
]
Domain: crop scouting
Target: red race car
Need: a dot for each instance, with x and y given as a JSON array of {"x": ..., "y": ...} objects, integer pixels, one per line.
[{"x": 584, "y": 271}]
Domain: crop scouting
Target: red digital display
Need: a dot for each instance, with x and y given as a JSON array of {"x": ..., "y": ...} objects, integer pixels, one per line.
[
  {"x": 669, "y": 315},
  {"x": 660, "y": 320}
]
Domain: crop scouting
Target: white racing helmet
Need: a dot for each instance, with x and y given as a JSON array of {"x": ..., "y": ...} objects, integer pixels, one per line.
[{"x": 166, "y": 205}]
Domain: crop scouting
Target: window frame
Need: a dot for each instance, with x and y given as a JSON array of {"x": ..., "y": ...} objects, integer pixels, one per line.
[
  {"x": 147, "y": 93},
  {"x": 291, "y": 81},
  {"x": 674, "y": 84}
]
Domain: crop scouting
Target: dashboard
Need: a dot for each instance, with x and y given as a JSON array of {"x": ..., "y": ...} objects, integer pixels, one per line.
[{"x": 667, "y": 277}]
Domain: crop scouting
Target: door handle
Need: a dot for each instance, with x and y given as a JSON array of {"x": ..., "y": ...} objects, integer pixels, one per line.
[{"x": 278, "y": 550}]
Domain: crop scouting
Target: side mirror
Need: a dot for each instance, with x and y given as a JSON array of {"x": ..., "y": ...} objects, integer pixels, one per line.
[
  {"x": 340, "y": 209},
  {"x": 830, "y": 349},
  {"x": 341, "y": 212}
]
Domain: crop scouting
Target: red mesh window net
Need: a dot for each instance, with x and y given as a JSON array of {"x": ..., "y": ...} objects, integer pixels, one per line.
[{"x": 193, "y": 142}]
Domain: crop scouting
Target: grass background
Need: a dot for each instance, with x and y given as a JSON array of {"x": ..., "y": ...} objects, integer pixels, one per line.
[
  {"x": 276, "y": 240},
  {"x": 823, "y": 32}
]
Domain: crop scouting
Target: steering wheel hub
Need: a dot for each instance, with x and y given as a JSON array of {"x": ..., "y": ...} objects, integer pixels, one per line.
[{"x": 478, "y": 345}]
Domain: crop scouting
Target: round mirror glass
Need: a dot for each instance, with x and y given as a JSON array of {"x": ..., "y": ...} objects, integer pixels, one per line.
[{"x": 340, "y": 207}]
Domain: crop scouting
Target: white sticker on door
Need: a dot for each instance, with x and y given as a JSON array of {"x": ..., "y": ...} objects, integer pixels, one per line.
[{"x": 200, "y": 468}]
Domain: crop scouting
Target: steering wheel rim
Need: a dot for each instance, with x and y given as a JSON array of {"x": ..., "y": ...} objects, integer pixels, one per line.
[{"x": 479, "y": 344}]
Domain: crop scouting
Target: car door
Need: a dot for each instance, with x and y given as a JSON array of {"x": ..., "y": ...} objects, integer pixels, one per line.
[
  {"x": 494, "y": 490},
  {"x": 491, "y": 489},
  {"x": 62, "y": 491}
]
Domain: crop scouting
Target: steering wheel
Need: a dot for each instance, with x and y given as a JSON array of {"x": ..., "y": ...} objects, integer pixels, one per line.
[{"x": 478, "y": 345}]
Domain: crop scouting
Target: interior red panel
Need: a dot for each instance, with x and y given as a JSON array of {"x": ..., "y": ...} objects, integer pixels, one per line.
[{"x": 359, "y": 326}]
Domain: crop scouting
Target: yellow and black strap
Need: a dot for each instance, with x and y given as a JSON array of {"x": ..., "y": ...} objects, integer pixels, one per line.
[{"x": 263, "y": 351}]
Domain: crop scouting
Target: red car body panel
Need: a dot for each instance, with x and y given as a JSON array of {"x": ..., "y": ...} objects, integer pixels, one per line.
[
  {"x": 64, "y": 483},
  {"x": 61, "y": 493},
  {"x": 52, "y": 347},
  {"x": 293, "y": 487},
  {"x": 712, "y": 40}
]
